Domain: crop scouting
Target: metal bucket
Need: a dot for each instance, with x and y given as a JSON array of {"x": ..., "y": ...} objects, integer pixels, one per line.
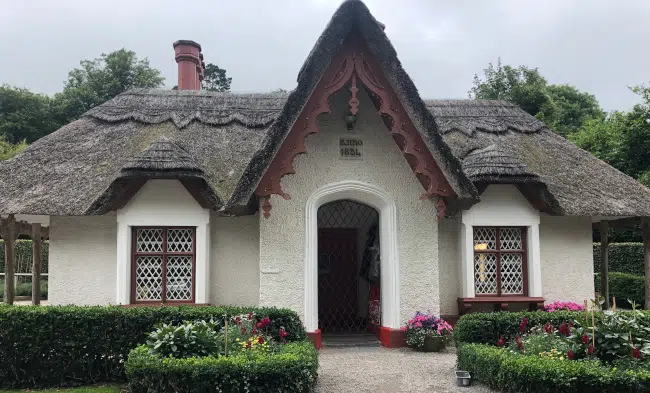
[{"x": 463, "y": 378}]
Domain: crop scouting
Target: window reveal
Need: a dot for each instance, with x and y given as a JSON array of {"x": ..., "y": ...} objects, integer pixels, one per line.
[
  {"x": 163, "y": 265},
  {"x": 500, "y": 261}
]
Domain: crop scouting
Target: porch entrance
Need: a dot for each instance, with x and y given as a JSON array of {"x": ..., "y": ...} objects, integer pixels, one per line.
[{"x": 348, "y": 268}]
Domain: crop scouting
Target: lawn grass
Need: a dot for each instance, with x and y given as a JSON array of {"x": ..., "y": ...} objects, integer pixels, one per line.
[{"x": 88, "y": 389}]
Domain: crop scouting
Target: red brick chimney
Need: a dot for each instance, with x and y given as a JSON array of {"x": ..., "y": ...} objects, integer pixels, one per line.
[{"x": 188, "y": 56}]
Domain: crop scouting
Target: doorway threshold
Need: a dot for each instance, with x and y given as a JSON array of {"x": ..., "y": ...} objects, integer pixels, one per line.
[{"x": 347, "y": 340}]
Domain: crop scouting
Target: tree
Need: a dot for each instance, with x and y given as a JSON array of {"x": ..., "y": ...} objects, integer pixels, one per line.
[
  {"x": 215, "y": 79},
  {"x": 562, "y": 107},
  {"x": 523, "y": 86},
  {"x": 25, "y": 115},
  {"x": 101, "y": 79}
]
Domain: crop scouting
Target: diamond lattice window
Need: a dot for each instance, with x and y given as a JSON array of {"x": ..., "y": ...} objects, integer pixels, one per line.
[
  {"x": 163, "y": 265},
  {"x": 499, "y": 261}
]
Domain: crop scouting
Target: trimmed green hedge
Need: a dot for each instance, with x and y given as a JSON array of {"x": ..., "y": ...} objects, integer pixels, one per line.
[
  {"x": 623, "y": 258},
  {"x": 24, "y": 256},
  {"x": 486, "y": 328},
  {"x": 515, "y": 373},
  {"x": 71, "y": 345},
  {"x": 293, "y": 370},
  {"x": 624, "y": 286}
]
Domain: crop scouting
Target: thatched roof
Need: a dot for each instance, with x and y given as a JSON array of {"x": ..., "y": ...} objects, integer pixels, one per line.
[
  {"x": 225, "y": 141},
  {"x": 495, "y": 164}
]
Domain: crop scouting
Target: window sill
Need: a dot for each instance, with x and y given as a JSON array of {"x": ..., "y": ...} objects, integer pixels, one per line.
[
  {"x": 164, "y": 305},
  {"x": 500, "y": 302}
]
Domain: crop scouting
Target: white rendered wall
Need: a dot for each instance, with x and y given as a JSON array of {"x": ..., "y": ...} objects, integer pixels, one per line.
[
  {"x": 163, "y": 203},
  {"x": 450, "y": 265},
  {"x": 282, "y": 236},
  {"x": 501, "y": 205},
  {"x": 567, "y": 258},
  {"x": 235, "y": 260},
  {"x": 82, "y": 260}
]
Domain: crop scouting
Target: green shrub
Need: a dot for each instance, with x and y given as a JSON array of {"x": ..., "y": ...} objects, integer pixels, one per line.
[
  {"x": 624, "y": 286},
  {"x": 623, "y": 258},
  {"x": 70, "y": 345},
  {"x": 487, "y": 328},
  {"x": 185, "y": 340},
  {"x": 515, "y": 373},
  {"x": 25, "y": 289},
  {"x": 293, "y": 369},
  {"x": 24, "y": 256}
]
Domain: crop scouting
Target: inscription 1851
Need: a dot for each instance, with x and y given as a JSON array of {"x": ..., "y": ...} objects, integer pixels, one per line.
[{"x": 351, "y": 149}]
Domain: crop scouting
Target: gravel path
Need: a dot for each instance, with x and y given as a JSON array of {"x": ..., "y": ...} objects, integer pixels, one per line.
[{"x": 388, "y": 370}]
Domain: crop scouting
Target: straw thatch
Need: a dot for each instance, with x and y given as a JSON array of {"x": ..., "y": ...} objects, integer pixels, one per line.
[{"x": 224, "y": 142}]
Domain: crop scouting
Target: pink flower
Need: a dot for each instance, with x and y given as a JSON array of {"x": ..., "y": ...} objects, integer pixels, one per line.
[{"x": 418, "y": 324}]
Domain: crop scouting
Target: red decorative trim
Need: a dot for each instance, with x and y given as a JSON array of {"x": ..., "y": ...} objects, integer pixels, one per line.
[
  {"x": 392, "y": 338},
  {"x": 316, "y": 338},
  {"x": 352, "y": 61}
]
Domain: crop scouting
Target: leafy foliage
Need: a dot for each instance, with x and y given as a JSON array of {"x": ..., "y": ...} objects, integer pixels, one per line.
[
  {"x": 23, "y": 250},
  {"x": 623, "y": 336},
  {"x": 624, "y": 287},
  {"x": 24, "y": 116},
  {"x": 422, "y": 326},
  {"x": 186, "y": 340},
  {"x": 70, "y": 345},
  {"x": 215, "y": 79},
  {"x": 292, "y": 369},
  {"x": 516, "y": 373},
  {"x": 103, "y": 78},
  {"x": 622, "y": 258}
]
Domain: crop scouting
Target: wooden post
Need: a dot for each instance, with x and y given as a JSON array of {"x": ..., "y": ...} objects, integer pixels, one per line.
[
  {"x": 9, "y": 236},
  {"x": 604, "y": 262},
  {"x": 646, "y": 260},
  {"x": 36, "y": 265}
]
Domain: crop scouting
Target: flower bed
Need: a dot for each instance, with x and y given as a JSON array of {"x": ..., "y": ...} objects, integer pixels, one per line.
[
  {"x": 516, "y": 373},
  {"x": 63, "y": 346},
  {"x": 427, "y": 332},
  {"x": 603, "y": 352},
  {"x": 206, "y": 356}
]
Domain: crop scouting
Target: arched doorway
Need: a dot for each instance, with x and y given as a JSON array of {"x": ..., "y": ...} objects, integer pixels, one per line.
[
  {"x": 348, "y": 268},
  {"x": 384, "y": 204}
]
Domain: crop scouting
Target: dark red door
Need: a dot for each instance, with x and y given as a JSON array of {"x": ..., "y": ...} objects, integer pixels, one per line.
[{"x": 338, "y": 280}]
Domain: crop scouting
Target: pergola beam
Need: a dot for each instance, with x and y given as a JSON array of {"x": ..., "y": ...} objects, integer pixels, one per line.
[
  {"x": 604, "y": 262},
  {"x": 36, "y": 263},
  {"x": 646, "y": 260}
]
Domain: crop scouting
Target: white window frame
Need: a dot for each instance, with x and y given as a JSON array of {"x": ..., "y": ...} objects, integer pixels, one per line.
[{"x": 502, "y": 205}]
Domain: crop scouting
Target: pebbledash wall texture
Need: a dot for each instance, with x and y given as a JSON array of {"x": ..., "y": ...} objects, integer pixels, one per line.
[{"x": 282, "y": 235}]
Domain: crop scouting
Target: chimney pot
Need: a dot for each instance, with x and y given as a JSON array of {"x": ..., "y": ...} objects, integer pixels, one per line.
[{"x": 187, "y": 54}]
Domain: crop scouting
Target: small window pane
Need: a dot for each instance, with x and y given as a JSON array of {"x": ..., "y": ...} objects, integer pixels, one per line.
[
  {"x": 148, "y": 278},
  {"x": 512, "y": 274},
  {"x": 511, "y": 239},
  {"x": 485, "y": 239},
  {"x": 485, "y": 273},
  {"x": 149, "y": 240},
  {"x": 179, "y": 278},
  {"x": 180, "y": 240}
]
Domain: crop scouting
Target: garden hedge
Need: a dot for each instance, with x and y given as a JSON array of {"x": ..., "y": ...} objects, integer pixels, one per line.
[
  {"x": 623, "y": 258},
  {"x": 292, "y": 370},
  {"x": 515, "y": 373},
  {"x": 487, "y": 328},
  {"x": 24, "y": 256},
  {"x": 624, "y": 286},
  {"x": 72, "y": 345}
]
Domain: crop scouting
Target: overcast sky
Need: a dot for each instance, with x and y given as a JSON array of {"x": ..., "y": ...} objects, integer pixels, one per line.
[{"x": 600, "y": 46}]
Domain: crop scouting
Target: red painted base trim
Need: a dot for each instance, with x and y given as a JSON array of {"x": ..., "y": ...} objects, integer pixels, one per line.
[
  {"x": 316, "y": 338},
  {"x": 392, "y": 338}
]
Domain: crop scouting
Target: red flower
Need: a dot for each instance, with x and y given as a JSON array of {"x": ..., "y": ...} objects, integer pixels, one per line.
[
  {"x": 237, "y": 320},
  {"x": 248, "y": 344},
  {"x": 250, "y": 316},
  {"x": 570, "y": 355},
  {"x": 264, "y": 323},
  {"x": 548, "y": 328},
  {"x": 564, "y": 329},
  {"x": 254, "y": 330},
  {"x": 501, "y": 342},
  {"x": 260, "y": 340},
  {"x": 243, "y": 330},
  {"x": 636, "y": 353},
  {"x": 523, "y": 325},
  {"x": 520, "y": 346},
  {"x": 585, "y": 339},
  {"x": 590, "y": 349},
  {"x": 282, "y": 333}
]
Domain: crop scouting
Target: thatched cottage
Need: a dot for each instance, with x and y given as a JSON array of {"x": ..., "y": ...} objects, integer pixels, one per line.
[{"x": 351, "y": 199}]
